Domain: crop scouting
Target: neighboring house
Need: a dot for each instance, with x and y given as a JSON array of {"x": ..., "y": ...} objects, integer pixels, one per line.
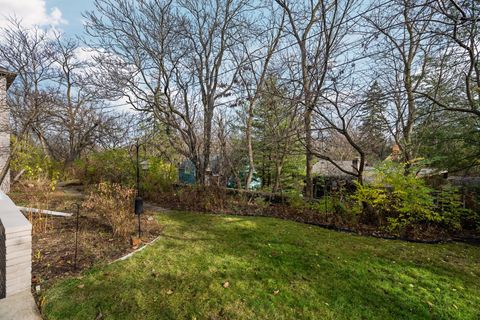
[
  {"x": 329, "y": 178},
  {"x": 186, "y": 172},
  {"x": 325, "y": 168},
  {"x": 215, "y": 176},
  {"x": 6, "y": 79},
  {"x": 255, "y": 184},
  {"x": 465, "y": 181}
]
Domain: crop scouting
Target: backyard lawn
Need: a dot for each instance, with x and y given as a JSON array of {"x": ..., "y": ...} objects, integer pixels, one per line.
[{"x": 229, "y": 267}]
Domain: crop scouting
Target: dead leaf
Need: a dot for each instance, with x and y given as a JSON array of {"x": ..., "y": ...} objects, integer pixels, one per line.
[
  {"x": 169, "y": 292},
  {"x": 276, "y": 292},
  {"x": 81, "y": 286}
]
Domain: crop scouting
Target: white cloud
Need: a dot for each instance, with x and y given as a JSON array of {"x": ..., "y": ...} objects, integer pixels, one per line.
[
  {"x": 86, "y": 53},
  {"x": 31, "y": 12}
]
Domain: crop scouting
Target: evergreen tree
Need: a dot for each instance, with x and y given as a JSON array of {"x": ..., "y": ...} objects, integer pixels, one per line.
[
  {"x": 279, "y": 157},
  {"x": 373, "y": 127}
]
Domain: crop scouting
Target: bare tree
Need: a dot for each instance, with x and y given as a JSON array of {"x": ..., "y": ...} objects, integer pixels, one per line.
[
  {"x": 402, "y": 44},
  {"x": 456, "y": 64},
  {"x": 28, "y": 52},
  {"x": 317, "y": 29},
  {"x": 214, "y": 29},
  {"x": 76, "y": 122},
  {"x": 231, "y": 154},
  {"x": 253, "y": 60},
  {"x": 339, "y": 116},
  {"x": 170, "y": 58},
  {"x": 142, "y": 55}
]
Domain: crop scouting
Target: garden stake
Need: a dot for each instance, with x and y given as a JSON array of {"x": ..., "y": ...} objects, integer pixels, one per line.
[
  {"x": 76, "y": 237},
  {"x": 325, "y": 196},
  {"x": 138, "y": 205},
  {"x": 139, "y": 230},
  {"x": 138, "y": 211}
]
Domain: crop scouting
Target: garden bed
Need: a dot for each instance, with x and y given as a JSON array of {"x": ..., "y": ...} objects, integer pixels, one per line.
[
  {"x": 216, "y": 200},
  {"x": 53, "y": 239}
]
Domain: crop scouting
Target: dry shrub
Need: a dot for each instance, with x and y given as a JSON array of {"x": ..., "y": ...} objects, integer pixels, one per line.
[
  {"x": 40, "y": 222},
  {"x": 214, "y": 198},
  {"x": 37, "y": 193},
  {"x": 114, "y": 203},
  {"x": 196, "y": 198}
]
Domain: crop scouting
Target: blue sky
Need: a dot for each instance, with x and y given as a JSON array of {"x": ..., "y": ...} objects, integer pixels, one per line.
[
  {"x": 72, "y": 12},
  {"x": 63, "y": 14}
]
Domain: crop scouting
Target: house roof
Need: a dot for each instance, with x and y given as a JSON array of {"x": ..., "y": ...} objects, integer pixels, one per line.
[
  {"x": 464, "y": 181},
  {"x": 429, "y": 172},
  {"x": 327, "y": 169},
  {"x": 9, "y": 75}
]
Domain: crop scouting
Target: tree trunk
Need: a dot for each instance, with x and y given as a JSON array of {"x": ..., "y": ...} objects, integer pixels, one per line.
[
  {"x": 5, "y": 169},
  {"x": 207, "y": 137},
  {"x": 308, "y": 155},
  {"x": 276, "y": 183},
  {"x": 248, "y": 134}
]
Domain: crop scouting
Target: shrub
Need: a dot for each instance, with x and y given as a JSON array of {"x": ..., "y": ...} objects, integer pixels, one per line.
[
  {"x": 114, "y": 203},
  {"x": 403, "y": 200},
  {"x": 160, "y": 176},
  {"x": 400, "y": 199},
  {"x": 261, "y": 202},
  {"x": 115, "y": 166},
  {"x": 295, "y": 200},
  {"x": 449, "y": 203},
  {"x": 34, "y": 163}
]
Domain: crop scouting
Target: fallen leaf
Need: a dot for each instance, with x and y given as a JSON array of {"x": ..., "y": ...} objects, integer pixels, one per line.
[
  {"x": 276, "y": 292},
  {"x": 169, "y": 292},
  {"x": 81, "y": 286}
]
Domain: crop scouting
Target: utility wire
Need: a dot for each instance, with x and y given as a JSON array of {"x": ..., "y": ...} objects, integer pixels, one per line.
[{"x": 285, "y": 48}]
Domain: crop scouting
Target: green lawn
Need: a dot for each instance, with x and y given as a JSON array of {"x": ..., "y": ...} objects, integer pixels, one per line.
[{"x": 275, "y": 270}]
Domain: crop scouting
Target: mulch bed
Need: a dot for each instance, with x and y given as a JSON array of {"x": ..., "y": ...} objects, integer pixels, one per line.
[
  {"x": 53, "y": 249},
  {"x": 53, "y": 238},
  {"x": 221, "y": 203}
]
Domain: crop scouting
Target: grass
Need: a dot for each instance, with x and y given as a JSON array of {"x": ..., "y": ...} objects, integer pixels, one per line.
[{"x": 275, "y": 270}]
